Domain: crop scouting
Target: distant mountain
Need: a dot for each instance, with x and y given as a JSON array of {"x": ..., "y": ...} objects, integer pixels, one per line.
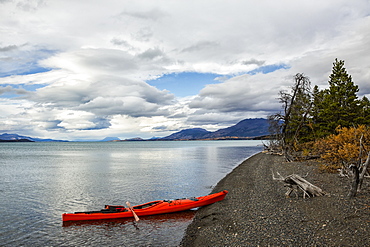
[
  {"x": 16, "y": 137},
  {"x": 18, "y": 140},
  {"x": 155, "y": 138},
  {"x": 188, "y": 134},
  {"x": 247, "y": 128},
  {"x": 109, "y": 139},
  {"x": 135, "y": 139}
]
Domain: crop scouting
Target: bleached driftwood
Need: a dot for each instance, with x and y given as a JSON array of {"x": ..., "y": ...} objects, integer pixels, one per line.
[{"x": 295, "y": 182}]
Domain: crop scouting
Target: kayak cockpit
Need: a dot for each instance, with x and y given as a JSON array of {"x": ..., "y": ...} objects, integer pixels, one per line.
[
  {"x": 147, "y": 205},
  {"x": 108, "y": 209}
]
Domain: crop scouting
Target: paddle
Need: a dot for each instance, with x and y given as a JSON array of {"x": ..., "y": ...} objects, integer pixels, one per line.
[{"x": 132, "y": 210}]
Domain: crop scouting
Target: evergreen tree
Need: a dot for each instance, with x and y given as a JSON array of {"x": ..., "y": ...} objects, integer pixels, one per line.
[
  {"x": 364, "y": 116},
  {"x": 337, "y": 105},
  {"x": 315, "y": 121}
]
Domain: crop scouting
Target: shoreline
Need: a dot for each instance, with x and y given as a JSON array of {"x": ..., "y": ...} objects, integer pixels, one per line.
[{"x": 256, "y": 212}]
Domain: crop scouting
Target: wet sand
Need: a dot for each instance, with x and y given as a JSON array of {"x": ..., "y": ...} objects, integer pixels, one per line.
[{"x": 256, "y": 211}]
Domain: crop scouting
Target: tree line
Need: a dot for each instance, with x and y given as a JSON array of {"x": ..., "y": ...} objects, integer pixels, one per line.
[
  {"x": 331, "y": 124},
  {"x": 310, "y": 116}
]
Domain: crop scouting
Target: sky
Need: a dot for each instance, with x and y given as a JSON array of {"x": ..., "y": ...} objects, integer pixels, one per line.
[{"x": 90, "y": 69}]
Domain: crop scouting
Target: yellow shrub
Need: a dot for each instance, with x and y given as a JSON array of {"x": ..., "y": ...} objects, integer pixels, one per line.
[{"x": 343, "y": 149}]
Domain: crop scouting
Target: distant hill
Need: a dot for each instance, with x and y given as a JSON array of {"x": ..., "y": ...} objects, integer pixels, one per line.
[
  {"x": 135, "y": 139},
  {"x": 109, "y": 139},
  {"x": 247, "y": 128},
  {"x": 188, "y": 134},
  {"x": 19, "y": 138}
]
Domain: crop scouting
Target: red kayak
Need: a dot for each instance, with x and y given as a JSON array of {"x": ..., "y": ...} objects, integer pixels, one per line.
[{"x": 150, "y": 208}]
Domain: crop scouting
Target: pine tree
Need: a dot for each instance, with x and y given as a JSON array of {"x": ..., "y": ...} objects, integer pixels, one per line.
[
  {"x": 315, "y": 122},
  {"x": 339, "y": 105},
  {"x": 364, "y": 116}
]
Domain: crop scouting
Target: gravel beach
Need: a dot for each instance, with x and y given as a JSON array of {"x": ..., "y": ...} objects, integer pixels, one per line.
[{"x": 257, "y": 213}]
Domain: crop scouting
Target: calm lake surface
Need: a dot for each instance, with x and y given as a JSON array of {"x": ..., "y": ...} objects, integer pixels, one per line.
[{"x": 40, "y": 181}]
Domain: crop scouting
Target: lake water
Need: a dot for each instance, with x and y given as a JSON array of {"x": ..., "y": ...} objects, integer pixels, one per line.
[{"x": 40, "y": 181}]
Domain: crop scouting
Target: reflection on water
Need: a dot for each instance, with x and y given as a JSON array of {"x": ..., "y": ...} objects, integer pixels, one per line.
[
  {"x": 40, "y": 181},
  {"x": 148, "y": 231},
  {"x": 154, "y": 220}
]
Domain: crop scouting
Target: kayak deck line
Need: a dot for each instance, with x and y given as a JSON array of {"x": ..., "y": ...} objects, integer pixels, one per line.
[{"x": 149, "y": 208}]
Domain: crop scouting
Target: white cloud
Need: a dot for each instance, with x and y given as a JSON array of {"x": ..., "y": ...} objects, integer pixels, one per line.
[
  {"x": 243, "y": 93},
  {"x": 80, "y": 67}
]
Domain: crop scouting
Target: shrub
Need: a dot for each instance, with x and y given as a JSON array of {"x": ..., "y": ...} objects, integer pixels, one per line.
[{"x": 342, "y": 149}]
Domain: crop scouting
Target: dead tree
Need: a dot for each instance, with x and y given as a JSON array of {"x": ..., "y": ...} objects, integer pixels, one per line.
[
  {"x": 363, "y": 170},
  {"x": 358, "y": 176},
  {"x": 358, "y": 171},
  {"x": 296, "y": 106},
  {"x": 355, "y": 181},
  {"x": 295, "y": 183}
]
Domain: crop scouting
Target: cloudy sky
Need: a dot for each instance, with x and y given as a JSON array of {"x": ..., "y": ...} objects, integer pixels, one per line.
[{"x": 88, "y": 69}]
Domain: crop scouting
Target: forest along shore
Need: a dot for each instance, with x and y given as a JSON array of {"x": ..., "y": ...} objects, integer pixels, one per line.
[{"x": 256, "y": 211}]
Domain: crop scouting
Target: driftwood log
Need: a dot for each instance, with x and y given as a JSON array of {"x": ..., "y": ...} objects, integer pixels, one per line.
[{"x": 295, "y": 182}]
